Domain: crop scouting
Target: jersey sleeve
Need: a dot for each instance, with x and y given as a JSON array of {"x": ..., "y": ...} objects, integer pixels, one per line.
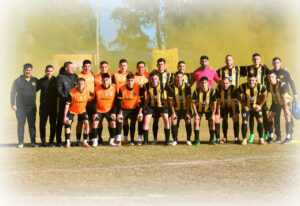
[
  {"x": 263, "y": 89},
  {"x": 195, "y": 96},
  {"x": 13, "y": 93},
  {"x": 213, "y": 96},
  {"x": 69, "y": 98},
  {"x": 234, "y": 94},
  {"x": 291, "y": 82},
  {"x": 188, "y": 91},
  {"x": 283, "y": 88},
  {"x": 170, "y": 92},
  {"x": 218, "y": 93}
]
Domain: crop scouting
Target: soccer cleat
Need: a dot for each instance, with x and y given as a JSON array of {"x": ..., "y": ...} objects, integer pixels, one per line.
[
  {"x": 34, "y": 145},
  {"x": 125, "y": 142},
  {"x": 236, "y": 140},
  {"x": 278, "y": 140},
  {"x": 112, "y": 144},
  {"x": 197, "y": 143},
  {"x": 68, "y": 145},
  {"x": 85, "y": 144},
  {"x": 95, "y": 142},
  {"x": 51, "y": 145},
  {"x": 100, "y": 141},
  {"x": 244, "y": 142},
  {"x": 269, "y": 140},
  {"x": 139, "y": 143},
  {"x": 189, "y": 142},
  {"x": 119, "y": 144},
  {"x": 167, "y": 142},
  {"x": 266, "y": 137},
  {"x": 224, "y": 140},
  {"x": 262, "y": 141},
  {"x": 251, "y": 138},
  {"x": 20, "y": 146},
  {"x": 217, "y": 141},
  {"x": 286, "y": 141},
  {"x": 145, "y": 143},
  {"x": 59, "y": 144},
  {"x": 132, "y": 143},
  {"x": 154, "y": 142},
  {"x": 78, "y": 144},
  {"x": 212, "y": 142},
  {"x": 174, "y": 143}
]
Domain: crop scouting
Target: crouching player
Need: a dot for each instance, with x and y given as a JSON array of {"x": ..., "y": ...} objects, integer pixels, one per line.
[
  {"x": 76, "y": 104},
  {"x": 252, "y": 97},
  {"x": 227, "y": 103},
  {"x": 280, "y": 99},
  {"x": 204, "y": 103},
  {"x": 105, "y": 95},
  {"x": 155, "y": 106},
  {"x": 179, "y": 97},
  {"x": 129, "y": 100}
]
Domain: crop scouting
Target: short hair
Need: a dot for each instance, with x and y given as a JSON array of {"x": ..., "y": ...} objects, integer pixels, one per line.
[
  {"x": 140, "y": 62},
  {"x": 80, "y": 80},
  {"x": 154, "y": 72},
  {"x": 275, "y": 59},
  {"x": 105, "y": 75},
  {"x": 129, "y": 76},
  {"x": 228, "y": 55},
  {"x": 179, "y": 72},
  {"x": 271, "y": 72},
  {"x": 180, "y": 62},
  {"x": 86, "y": 62},
  {"x": 203, "y": 79},
  {"x": 49, "y": 66},
  {"x": 66, "y": 64},
  {"x": 255, "y": 55},
  {"x": 26, "y": 66},
  {"x": 251, "y": 75},
  {"x": 103, "y": 62},
  {"x": 227, "y": 77},
  {"x": 123, "y": 61},
  {"x": 204, "y": 57},
  {"x": 161, "y": 60}
]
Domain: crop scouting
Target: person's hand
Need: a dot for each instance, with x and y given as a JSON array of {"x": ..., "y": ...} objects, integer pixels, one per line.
[
  {"x": 120, "y": 116},
  {"x": 287, "y": 113},
  {"x": 140, "y": 117},
  {"x": 113, "y": 116},
  {"x": 14, "y": 108},
  {"x": 296, "y": 96},
  {"x": 246, "y": 108},
  {"x": 65, "y": 120},
  {"x": 213, "y": 117},
  {"x": 197, "y": 118},
  {"x": 257, "y": 108}
]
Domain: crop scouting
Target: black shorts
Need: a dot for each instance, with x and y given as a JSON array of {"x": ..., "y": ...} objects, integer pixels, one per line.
[
  {"x": 130, "y": 113},
  {"x": 155, "y": 112},
  {"x": 207, "y": 115},
  {"x": 246, "y": 114},
  {"x": 90, "y": 110},
  {"x": 180, "y": 114},
  {"x": 81, "y": 117},
  {"x": 106, "y": 115},
  {"x": 277, "y": 107},
  {"x": 225, "y": 111}
]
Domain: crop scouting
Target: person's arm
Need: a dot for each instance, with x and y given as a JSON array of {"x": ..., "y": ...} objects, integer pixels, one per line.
[
  {"x": 67, "y": 106},
  {"x": 188, "y": 101},
  {"x": 194, "y": 102},
  {"x": 60, "y": 87},
  {"x": 214, "y": 100},
  {"x": 291, "y": 82},
  {"x": 216, "y": 77},
  {"x": 13, "y": 94},
  {"x": 39, "y": 85},
  {"x": 263, "y": 98}
]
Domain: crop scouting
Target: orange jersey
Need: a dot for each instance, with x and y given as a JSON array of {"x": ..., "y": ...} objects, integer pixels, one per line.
[
  {"x": 120, "y": 79},
  {"x": 141, "y": 79},
  {"x": 130, "y": 99},
  {"x": 89, "y": 81},
  {"x": 98, "y": 79},
  {"x": 78, "y": 101},
  {"x": 105, "y": 98}
]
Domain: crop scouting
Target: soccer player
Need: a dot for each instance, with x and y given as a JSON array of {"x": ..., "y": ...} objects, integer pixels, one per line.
[
  {"x": 23, "y": 97},
  {"x": 230, "y": 70},
  {"x": 179, "y": 96},
  {"x": 187, "y": 77},
  {"x": 155, "y": 106},
  {"x": 129, "y": 100},
  {"x": 227, "y": 104},
  {"x": 164, "y": 77},
  {"x": 119, "y": 79},
  {"x": 204, "y": 103},
  {"x": 76, "y": 104},
  {"x": 260, "y": 71},
  {"x": 205, "y": 71},
  {"x": 280, "y": 100},
  {"x": 66, "y": 80},
  {"x": 89, "y": 78},
  {"x": 105, "y": 99},
  {"x": 252, "y": 96},
  {"x": 284, "y": 76},
  {"x": 48, "y": 105}
]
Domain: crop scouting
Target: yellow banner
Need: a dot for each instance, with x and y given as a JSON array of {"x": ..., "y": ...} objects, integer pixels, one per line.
[{"x": 170, "y": 55}]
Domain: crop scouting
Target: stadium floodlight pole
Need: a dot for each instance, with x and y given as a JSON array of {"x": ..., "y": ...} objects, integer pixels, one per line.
[{"x": 97, "y": 35}]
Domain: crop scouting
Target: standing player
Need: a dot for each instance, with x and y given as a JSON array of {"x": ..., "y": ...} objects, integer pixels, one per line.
[
  {"x": 187, "y": 77},
  {"x": 105, "y": 98},
  {"x": 179, "y": 96},
  {"x": 252, "y": 96},
  {"x": 76, "y": 104},
  {"x": 227, "y": 103},
  {"x": 204, "y": 103},
  {"x": 229, "y": 70},
  {"x": 129, "y": 100},
  {"x": 48, "y": 104},
  {"x": 155, "y": 106},
  {"x": 260, "y": 71},
  {"x": 284, "y": 76},
  {"x": 89, "y": 78},
  {"x": 280, "y": 100}
]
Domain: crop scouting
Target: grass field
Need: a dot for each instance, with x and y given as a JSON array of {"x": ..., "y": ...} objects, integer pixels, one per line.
[{"x": 153, "y": 175}]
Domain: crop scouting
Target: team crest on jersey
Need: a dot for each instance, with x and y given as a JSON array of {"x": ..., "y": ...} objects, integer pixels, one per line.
[
  {"x": 33, "y": 83},
  {"x": 111, "y": 94},
  {"x": 134, "y": 93},
  {"x": 281, "y": 76}
]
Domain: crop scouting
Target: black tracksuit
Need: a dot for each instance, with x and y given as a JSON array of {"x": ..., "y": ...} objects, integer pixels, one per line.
[
  {"x": 48, "y": 107},
  {"x": 65, "y": 82},
  {"x": 23, "y": 95}
]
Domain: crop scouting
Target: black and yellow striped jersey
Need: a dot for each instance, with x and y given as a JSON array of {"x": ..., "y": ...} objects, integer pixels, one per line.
[
  {"x": 179, "y": 95},
  {"x": 164, "y": 79},
  {"x": 233, "y": 73},
  {"x": 259, "y": 72},
  {"x": 204, "y": 100},
  {"x": 226, "y": 96},
  {"x": 187, "y": 78},
  {"x": 277, "y": 90},
  {"x": 156, "y": 96},
  {"x": 250, "y": 96}
]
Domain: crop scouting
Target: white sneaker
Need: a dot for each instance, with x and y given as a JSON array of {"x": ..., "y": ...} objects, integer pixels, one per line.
[
  {"x": 111, "y": 142},
  {"x": 189, "y": 143},
  {"x": 95, "y": 142},
  {"x": 174, "y": 143}
]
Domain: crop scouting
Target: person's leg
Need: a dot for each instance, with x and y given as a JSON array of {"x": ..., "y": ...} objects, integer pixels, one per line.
[
  {"x": 125, "y": 130},
  {"x": 59, "y": 123},
  {"x": 197, "y": 122},
  {"x": 155, "y": 128},
  {"x": 21, "y": 118},
  {"x": 188, "y": 128},
  {"x": 43, "y": 121},
  {"x": 78, "y": 132},
  {"x": 165, "y": 118},
  {"x": 225, "y": 126},
  {"x": 86, "y": 132},
  {"x": 146, "y": 123},
  {"x": 277, "y": 125},
  {"x": 265, "y": 121},
  {"x": 271, "y": 116},
  {"x": 52, "y": 119},
  {"x": 132, "y": 130},
  {"x": 260, "y": 130},
  {"x": 174, "y": 128},
  {"x": 244, "y": 128},
  {"x": 31, "y": 117},
  {"x": 94, "y": 129},
  {"x": 100, "y": 129}
]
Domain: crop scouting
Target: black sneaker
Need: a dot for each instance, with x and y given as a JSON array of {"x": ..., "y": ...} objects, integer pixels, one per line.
[
  {"x": 44, "y": 144},
  {"x": 286, "y": 141},
  {"x": 218, "y": 141},
  {"x": 145, "y": 143},
  {"x": 236, "y": 141},
  {"x": 269, "y": 140},
  {"x": 59, "y": 145},
  {"x": 278, "y": 140},
  {"x": 51, "y": 145},
  {"x": 154, "y": 142},
  {"x": 167, "y": 142},
  {"x": 100, "y": 141},
  {"x": 78, "y": 144}
]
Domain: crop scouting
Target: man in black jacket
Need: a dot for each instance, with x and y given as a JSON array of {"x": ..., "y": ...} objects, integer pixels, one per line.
[
  {"x": 23, "y": 96},
  {"x": 65, "y": 82},
  {"x": 48, "y": 104}
]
